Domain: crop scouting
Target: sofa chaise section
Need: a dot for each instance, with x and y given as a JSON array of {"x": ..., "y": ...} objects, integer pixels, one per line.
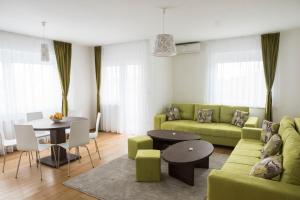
[{"x": 232, "y": 181}]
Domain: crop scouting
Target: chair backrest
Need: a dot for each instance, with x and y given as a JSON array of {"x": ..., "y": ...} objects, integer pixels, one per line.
[
  {"x": 25, "y": 136},
  {"x": 98, "y": 122},
  {"x": 34, "y": 115},
  {"x": 79, "y": 134}
]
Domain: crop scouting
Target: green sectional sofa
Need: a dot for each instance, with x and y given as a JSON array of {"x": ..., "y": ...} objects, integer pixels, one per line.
[
  {"x": 220, "y": 131},
  {"x": 232, "y": 181}
]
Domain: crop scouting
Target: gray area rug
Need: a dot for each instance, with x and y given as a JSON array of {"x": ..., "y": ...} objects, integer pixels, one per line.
[{"x": 116, "y": 181}]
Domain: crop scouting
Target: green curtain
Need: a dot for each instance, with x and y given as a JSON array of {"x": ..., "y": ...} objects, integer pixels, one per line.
[
  {"x": 63, "y": 52},
  {"x": 270, "y": 46},
  {"x": 98, "y": 73}
]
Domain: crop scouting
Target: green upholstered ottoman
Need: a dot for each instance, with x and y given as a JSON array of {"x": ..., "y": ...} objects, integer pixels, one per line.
[
  {"x": 147, "y": 164},
  {"x": 138, "y": 142}
]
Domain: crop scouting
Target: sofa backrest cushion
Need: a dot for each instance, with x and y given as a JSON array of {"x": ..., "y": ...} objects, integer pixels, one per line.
[
  {"x": 226, "y": 112},
  {"x": 215, "y": 108},
  {"x": 186, "y": 110},
  {"x": 291, "y": 158},
  {"x": 286, "y": 123}
]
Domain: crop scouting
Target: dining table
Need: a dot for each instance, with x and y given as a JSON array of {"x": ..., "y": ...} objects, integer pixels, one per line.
[{"x": 57, "y": 136}]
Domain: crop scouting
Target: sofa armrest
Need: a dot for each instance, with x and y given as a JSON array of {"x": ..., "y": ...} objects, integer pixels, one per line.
[
  {"x": 252, "y": 122},
  {"x": 158, "y": 120},
  {"x": 224, "y": 185},
  {"x": 251, "y": 133}
]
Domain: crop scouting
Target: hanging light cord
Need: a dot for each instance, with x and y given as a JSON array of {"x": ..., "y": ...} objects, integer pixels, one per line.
[
  {"x": 44, "y": 27},
  {"x": 163, "y": 11}
]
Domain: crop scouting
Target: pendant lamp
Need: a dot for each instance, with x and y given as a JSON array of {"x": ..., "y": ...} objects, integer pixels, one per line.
[
  {"x": 44, "y": 46},
  {"x": 164, "y": 45}
]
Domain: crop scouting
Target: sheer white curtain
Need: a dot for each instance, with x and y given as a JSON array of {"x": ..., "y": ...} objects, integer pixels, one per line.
[
  {"x": 235, "y": 72},
  {"x": 123, "y": 88},
  {"x": 26, "y": 83}
]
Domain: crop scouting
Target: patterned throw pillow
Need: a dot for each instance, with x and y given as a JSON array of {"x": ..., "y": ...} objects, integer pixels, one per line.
[
  {"x": 173, "y": 113},
  {"x": 204, "y": 115},
  {"x": 269, "y": 129},
  {"x": 268, "y": 168},
  {"x": 272, "y": 147},
  {"x": 240, "y": 118}
]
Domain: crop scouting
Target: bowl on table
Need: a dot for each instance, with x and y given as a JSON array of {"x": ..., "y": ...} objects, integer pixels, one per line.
[{"x": 57, "y": 117}]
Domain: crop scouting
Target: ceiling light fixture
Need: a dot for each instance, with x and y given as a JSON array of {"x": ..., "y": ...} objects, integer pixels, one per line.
[
  {"x": 164, "y": 45},
  {"x": 44, "y": 46}
]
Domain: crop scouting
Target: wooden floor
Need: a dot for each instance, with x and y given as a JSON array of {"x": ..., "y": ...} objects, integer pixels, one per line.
[{"x": 28, "y": 185}]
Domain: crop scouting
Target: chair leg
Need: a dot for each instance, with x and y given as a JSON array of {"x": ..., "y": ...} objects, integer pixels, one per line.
[
  {"x": 37, "y": 160},
  {"x": 29, "y": 159},
  {"x": 97, "y": 149},
  {"x": 78, "y": 154},
  {"x": 89, "y": 155},
  {"x": 31, "y": 155},
  {"x": 4, "y": 160},
  {"x": 68, "y": 157},
  {"x": 19, "y": 164},
  {"x": 40, "y": 165},
  {"x": 58, "y": 156},
  {"x": 55, "y": 159}
]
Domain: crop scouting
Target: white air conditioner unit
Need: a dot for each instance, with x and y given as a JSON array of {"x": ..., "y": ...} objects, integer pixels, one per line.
[{"x": 187, "y": 48}]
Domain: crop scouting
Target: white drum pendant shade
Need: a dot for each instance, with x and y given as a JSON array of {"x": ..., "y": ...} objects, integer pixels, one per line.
[
  {"x": 44, "y": 46},
  {"x": 164, "y": 45},
  {"x": 44, "y": 52}
]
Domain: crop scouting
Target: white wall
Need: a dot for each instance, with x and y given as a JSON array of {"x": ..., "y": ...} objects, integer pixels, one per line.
[
  {"x": 286, "y": 90},
  {"x": 160, "y": 90},
  {"x": 189, "y": 77},
  {"x": 82, "y": 91}
]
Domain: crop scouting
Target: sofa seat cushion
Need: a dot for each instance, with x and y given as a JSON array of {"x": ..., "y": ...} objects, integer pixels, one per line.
[
  {"x": 250, "y": 144},
  {"x": 237, "y": 168},
  {"x": 245, "y": 160},
  {"x": 210, "y": 129},
  {"x": 246, "y": 152}
]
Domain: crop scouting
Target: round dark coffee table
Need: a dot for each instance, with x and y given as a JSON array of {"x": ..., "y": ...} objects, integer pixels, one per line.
[
  {"x": 164, "y": 138},
  {"x": 183, "y": 157}
]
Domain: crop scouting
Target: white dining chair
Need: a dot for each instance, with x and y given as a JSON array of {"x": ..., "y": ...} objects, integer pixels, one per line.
[
  {"x": 34, "y": 116},
  {"x": 79, "y": 137},
  {"x": 93, "y": 135},
  {"x": 27, "y": 142},
  {"x": 7, "y": 143}
]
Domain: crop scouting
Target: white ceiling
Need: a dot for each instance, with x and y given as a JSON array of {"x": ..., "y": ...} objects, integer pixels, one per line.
[{"x": 96, "y": 22}]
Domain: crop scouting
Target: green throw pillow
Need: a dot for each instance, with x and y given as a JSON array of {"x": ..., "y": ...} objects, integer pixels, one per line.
[
  {"x": 272, "y": 147},
  {"x": 173, "y": 113},
  {"x": 269, "y": 129},
  {"x": 239, "y": 118},
  {"x": 204, "y": 115},
  {"x": 268, "y": 168}
]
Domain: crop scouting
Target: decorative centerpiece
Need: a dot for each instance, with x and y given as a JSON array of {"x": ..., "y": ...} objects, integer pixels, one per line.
[{"x": 57, "y": 117}]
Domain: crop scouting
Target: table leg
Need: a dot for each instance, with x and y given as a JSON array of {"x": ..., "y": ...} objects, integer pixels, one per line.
[
  {"x": 57, "y": 136},
  {"x": 185, "y": 173},
  {"x": 203, "y": 163}
]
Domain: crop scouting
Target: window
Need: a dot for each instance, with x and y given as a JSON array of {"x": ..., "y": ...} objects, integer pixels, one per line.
[
  {"x": 236, "y": 74},
  {"x": 26, "y": 83},
  {"x": 123, "y": 88}
]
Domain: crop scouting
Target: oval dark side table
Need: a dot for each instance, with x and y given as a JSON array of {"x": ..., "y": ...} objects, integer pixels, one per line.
[
  {"x": 164, "y": 138},
  {"x": 183, "y": 157},
  {"x": 57, "y": 135}
]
